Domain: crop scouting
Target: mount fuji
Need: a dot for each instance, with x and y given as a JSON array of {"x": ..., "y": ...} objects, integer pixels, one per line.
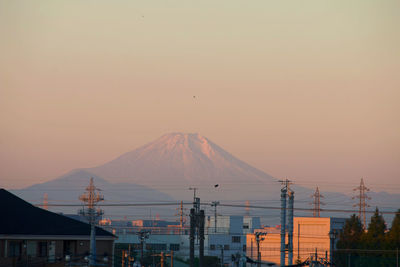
[{"x": 177, "y": 161}]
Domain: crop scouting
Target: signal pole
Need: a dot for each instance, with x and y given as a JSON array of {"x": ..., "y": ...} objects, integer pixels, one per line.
[
  {"x": 91, "y": 197},
  {"x": 317, "y": 202},
  {"x": 362, "y": 196}
]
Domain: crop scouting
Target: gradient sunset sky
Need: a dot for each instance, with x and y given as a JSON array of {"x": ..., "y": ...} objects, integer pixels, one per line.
[{"x": 308, "y": 90}]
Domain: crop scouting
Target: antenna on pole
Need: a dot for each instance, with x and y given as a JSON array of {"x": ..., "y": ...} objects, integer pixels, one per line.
[
  {"x": 317, "y": 202},
  {"x": 362, "y": 204},
  {"x": 196, "y": 200},
  {"x": 194, "y": 192}
]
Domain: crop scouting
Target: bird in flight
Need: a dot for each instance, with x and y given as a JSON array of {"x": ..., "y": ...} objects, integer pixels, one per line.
[{"x": 216, "y": 185}]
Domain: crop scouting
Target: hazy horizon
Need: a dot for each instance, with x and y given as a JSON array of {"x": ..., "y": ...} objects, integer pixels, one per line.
[{"x": 303, "y": 90}]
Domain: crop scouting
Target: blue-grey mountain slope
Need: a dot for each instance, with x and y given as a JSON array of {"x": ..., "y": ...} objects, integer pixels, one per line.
[{"x": 67, "y": 188}]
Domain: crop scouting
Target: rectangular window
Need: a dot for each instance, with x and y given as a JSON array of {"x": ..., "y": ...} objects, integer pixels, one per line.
[
  {"x": 235, "y": 239},
  {"x": 14, "y": 249},
  {"x": 31, "y": 248},
  {"x": 244, "y": 248},
  {"x": 42, "y": 249},
  {"x": 226, "y": 247},
  {"x": 157, "y": 247},
  {"x": 212, "y": 247},
  {"x": 174, "y": 247}
]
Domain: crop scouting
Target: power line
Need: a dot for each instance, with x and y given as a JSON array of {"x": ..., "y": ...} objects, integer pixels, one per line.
[{"x": 209, "y": 204}]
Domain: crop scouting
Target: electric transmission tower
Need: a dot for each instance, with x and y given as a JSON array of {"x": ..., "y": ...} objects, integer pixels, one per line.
[
  {"x": 317, "y": 202},
  {"x": 247, "y": 209},
  {"x": 362, "y": 204},
  {"x": 91, "y": 197},
  {"x": 182, "y": 215},
  {"x": 45, "y": 201}
]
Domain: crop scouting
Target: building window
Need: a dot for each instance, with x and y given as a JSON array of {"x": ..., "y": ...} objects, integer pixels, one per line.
[
  {"x": 212, "y": 247},
  {"x": 244, "y": 248},
  {"x": 42, "y": 249},
  {"x": 235, "y": 239},
  {"x": 226, "y": 247},
  {"x": 245, "y": 226},
  {"x": 31, "y": 248},
  {"x": 14, "y": 249},
  {"x": 174, "y": 247},
  {"x": 157, "y": 247}
]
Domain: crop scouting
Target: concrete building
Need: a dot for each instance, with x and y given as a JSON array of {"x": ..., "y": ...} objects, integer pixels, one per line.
[
  {"x": 310, "y": 236},
  {"x": 225, "y": 238}
]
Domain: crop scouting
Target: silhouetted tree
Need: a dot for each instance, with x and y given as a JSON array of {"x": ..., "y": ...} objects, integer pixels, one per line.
[
  {"x": 393, "y": 236},
  {"x": 375, "y": 237},
  {"x": 350, "y": 237}
]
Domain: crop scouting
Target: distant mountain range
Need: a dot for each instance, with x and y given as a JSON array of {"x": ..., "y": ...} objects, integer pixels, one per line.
[{"x": 164, "y": 169}]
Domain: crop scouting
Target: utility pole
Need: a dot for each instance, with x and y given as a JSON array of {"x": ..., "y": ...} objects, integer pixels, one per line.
[
  {"x": 192, "y": 235},
  {"x": 285, "y": 187},
  {"x": 215, "y": 204},
  {"x": 317, "y": 202},
  {"x": 259, "y": 238},
  {"x": 197, "y": 218},
  {"x": 290, "y": 227},
  {"x": 143, "y": 235},
  {"x": 362, "y": 196},
  {"x": 91, "y": 197},
  {"x": 201, "y": 218}
]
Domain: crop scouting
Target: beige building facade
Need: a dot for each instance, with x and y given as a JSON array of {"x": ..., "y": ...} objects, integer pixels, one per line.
[{"x": 310, "y": 237}]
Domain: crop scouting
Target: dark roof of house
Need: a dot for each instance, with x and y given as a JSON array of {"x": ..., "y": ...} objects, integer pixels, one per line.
[{"x": 19, "y": 217}]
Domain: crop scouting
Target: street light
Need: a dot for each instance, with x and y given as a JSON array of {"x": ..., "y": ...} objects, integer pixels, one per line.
[
  {"x": 332, "y": 236},
  {"x": 258, "y": 239}
]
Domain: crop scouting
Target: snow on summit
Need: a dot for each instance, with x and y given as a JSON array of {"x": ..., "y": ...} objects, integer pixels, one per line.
[{"x": 180, "y": 158}]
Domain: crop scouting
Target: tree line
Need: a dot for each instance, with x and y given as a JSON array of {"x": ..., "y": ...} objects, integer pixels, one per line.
[{"x": 374, "y": 246}]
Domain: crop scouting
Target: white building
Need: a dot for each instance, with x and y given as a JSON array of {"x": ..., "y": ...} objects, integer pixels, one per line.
[{"x": 227, "y": 237}]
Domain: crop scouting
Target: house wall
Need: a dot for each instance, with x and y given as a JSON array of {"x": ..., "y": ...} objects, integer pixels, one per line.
[{"x": 30, "y": 251}]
